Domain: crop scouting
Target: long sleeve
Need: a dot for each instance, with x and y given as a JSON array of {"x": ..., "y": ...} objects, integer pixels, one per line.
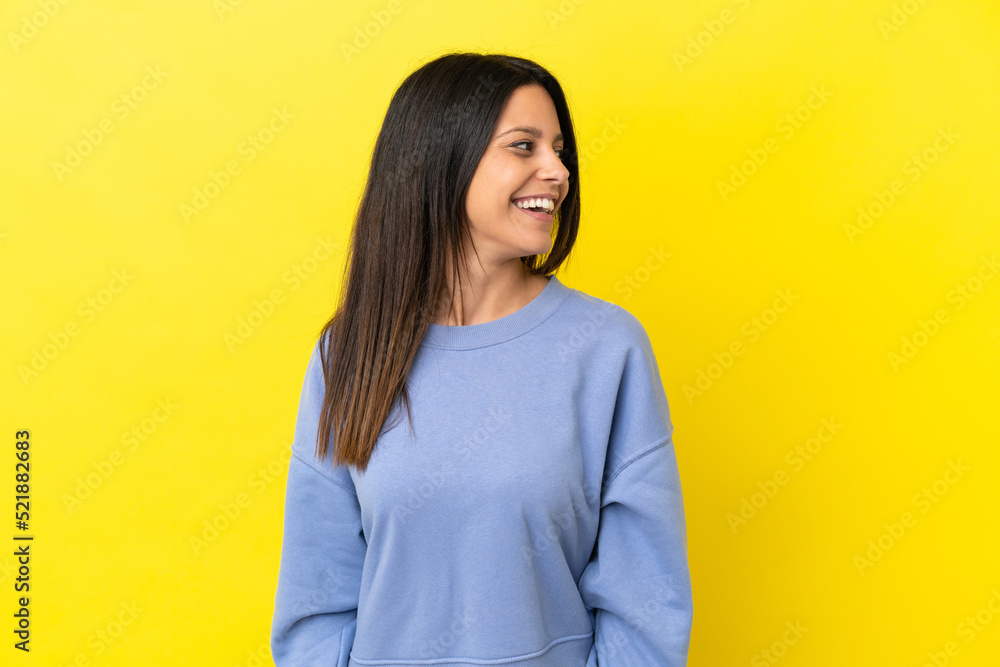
[
  {"x": 323, "y": 549},
  {"x": 637, "y": 583}
]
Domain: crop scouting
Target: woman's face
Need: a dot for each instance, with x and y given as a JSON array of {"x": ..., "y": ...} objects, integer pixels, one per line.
[{"x": 518, "y": 164}]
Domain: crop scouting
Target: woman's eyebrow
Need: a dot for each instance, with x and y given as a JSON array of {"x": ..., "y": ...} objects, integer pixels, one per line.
[{"x": 533, "y": 131}]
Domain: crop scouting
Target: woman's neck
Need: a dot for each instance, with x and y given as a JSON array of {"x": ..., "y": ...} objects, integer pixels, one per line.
[{"x": 485, "y": 297}]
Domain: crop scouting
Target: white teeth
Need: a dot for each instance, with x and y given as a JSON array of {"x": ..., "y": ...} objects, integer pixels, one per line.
[{"x": 547, "y": 204}]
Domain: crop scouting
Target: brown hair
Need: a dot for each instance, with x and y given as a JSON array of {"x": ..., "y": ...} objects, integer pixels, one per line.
[{"x": 411, "y": 218}]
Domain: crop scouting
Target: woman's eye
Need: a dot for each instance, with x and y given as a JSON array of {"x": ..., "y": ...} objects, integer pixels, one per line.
[{"x": 561, "y": 152}]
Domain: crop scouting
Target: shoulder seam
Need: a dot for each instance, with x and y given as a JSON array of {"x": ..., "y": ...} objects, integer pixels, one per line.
[
  {"x": 323, "y": 474},
  {"x": 638, "y": 456}
]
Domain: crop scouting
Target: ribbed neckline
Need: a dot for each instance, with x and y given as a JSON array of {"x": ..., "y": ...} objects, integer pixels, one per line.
[{"x": 510, "y": 326}]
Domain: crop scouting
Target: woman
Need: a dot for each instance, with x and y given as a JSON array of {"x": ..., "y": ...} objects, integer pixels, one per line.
[{"x": 529, "y": 510}]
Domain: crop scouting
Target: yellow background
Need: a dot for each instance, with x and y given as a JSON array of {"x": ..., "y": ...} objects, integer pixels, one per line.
[{"x": 658, "y": 133}]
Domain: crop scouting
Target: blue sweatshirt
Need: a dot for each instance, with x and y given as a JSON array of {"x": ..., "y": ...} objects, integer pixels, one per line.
[{"x": 533, "y": 517}]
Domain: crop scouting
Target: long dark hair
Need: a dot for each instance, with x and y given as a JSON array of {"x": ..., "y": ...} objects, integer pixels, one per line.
[{"x": 410, "y": 219}]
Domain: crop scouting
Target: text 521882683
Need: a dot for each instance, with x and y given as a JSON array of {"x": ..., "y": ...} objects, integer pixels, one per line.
[{"x": 22, "y": 549}]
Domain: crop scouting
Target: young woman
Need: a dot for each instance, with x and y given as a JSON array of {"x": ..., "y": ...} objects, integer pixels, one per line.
[{"x": 525, "y": 509}]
